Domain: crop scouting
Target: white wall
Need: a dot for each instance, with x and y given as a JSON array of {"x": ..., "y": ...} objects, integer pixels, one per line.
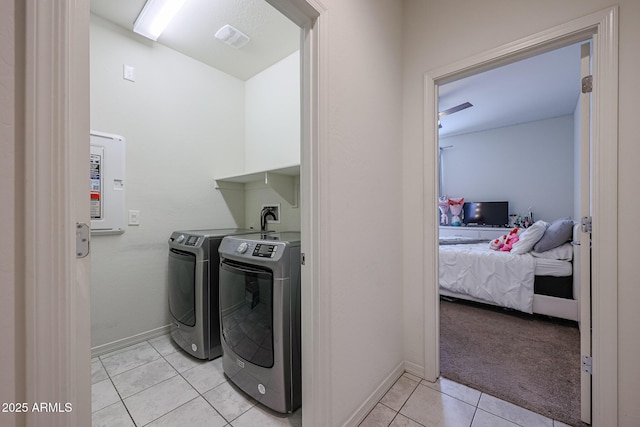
[
  {"x": 443, "y": 32},
  {"x": 184, "y": 124},
  {"x": 273, "y": 116},
  {"x": 528, "y": 165},
  {"x": 258, "y": 194},
  {"x": 272, "y": 99},
  {"x": 360, "y": 160}
]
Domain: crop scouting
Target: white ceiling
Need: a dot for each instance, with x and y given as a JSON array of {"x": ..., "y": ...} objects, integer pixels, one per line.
[
  {"x": 273, "y": 36},
  {"x": 537, "y": 88}
]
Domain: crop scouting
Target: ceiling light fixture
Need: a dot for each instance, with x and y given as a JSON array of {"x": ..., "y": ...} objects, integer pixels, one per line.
[
  {"x": 232, "y": 36},
  {"x": 156, "y": 16}
]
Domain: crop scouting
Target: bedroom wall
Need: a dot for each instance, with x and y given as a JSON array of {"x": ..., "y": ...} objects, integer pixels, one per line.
[
  {"x": 528, "y": 165},
  {"x": 475, "y": 27},
  {"x": 184, "y": 124}
]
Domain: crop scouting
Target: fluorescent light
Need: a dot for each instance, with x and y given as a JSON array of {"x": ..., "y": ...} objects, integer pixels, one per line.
[{"x": 155, "y": 17}]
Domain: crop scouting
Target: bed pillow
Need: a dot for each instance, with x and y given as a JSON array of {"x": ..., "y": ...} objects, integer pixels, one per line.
[
  {"x": 564, "y": 252},
  {"x": 560, "y": 231},
  {"x": 530, "y": 237}
]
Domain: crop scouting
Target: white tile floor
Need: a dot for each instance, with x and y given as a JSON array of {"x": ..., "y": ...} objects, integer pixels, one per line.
[{"x": 156, "y": 384}]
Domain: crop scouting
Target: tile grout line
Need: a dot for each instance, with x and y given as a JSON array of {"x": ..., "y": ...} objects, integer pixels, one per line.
[
  {"x": 405, "y": 402},
  {"x": 122, "y": 400},
  {"x": 475, "y": 411},
  {"x": 499, "y": 416},
  {"x": 119, "y": 395}
]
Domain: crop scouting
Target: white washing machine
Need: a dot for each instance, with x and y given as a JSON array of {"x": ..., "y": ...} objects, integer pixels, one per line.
[{"x": 260, "y": 317}]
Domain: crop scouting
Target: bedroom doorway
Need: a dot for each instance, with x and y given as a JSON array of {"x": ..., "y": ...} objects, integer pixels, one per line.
[{"x": 581, "y": 191}]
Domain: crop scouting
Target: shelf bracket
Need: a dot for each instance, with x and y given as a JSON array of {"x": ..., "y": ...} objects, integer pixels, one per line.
[{"x": 281, "y": 184}]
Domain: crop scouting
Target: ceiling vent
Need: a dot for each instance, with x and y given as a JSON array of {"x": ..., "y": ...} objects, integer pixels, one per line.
[{"x": 232, "y": 36}]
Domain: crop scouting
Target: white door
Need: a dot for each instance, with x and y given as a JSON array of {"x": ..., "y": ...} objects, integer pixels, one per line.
[{"x": 583, "y": 253}]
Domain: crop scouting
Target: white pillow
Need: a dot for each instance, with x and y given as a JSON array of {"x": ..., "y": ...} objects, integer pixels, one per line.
[
  {"x": 530, "y": 237},
  {"x": 563, "y": 252}
]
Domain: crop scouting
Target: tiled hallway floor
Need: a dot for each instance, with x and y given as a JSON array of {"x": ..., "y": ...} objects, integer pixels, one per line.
[
  {"x": 413, "y": 402},
  {"x": 155, "y": 384}
]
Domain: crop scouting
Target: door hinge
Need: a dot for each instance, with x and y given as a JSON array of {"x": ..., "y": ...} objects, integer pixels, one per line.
[
  {"x": 587, "y": 224},
  {"x": 587, "y": 84},
  {"x": 82, "y": 240},
  {"x": 587, "y": 365},
  {"x": 302, "y": 258}
]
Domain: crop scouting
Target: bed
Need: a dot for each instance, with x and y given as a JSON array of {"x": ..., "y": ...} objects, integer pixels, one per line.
[{"x": 531, "y": 282}]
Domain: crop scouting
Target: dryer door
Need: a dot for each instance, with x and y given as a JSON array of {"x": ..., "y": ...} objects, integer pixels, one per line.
[
  {"x": 182, "y": 286},
  {"x": 246, "y": 311}
]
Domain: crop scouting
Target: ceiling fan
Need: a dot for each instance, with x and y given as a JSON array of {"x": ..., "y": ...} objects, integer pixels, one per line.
[{"x": 452, "y": 110}]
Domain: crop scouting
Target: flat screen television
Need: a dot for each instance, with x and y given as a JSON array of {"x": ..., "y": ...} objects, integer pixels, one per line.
[{"x": 486, "y": 214}]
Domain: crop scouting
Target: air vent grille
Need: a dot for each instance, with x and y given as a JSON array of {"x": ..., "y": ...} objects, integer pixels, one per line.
[{"x": 232, "y": 36}]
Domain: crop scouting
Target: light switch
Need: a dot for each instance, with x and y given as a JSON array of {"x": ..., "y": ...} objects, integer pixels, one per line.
[
  {"x": 134, "y": 217},
  {"x": 129, "y": 73}
]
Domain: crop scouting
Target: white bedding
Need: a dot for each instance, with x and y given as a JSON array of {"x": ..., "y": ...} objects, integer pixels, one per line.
[{"x": 499, "y": 278}]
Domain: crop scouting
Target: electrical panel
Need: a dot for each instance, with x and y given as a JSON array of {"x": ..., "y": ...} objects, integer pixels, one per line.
[{"x": 107, "y": 170}]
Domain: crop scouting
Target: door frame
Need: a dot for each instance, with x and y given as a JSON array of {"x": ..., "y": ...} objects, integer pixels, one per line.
[
  {"x": 57, "y": 327},
  {"x": 602, "y": 28},
  {"x": 582, "y": 252},
  {"x": 310, "y": 16}
]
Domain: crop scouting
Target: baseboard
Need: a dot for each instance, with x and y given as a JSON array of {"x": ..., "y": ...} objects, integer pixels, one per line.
[
  {"x": 126, "y": 342},
  {"x": 375, "y": 397},
  {"x": 414, "y": 369}
]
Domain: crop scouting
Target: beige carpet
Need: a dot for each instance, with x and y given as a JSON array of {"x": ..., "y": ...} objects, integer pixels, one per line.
[{"x": 523, "y": 359}]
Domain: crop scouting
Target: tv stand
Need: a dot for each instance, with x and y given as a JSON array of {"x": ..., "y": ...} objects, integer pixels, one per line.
[{"x": 476, "y": 232}]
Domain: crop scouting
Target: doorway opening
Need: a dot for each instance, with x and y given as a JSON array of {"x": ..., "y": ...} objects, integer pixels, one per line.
[
  {"x": 217, "y": 104},
  {"x": 508, "y": 157}
]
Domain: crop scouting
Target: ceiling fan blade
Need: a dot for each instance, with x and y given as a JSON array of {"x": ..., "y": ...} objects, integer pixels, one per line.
[{"x": 455, "y": 109}]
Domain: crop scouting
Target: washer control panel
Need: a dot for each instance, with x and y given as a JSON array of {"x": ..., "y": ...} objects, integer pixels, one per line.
[
  {"x": 192, "y": 240},
  {"x": 186, "y": 239},
  {"x": 265, "y": 251}
]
